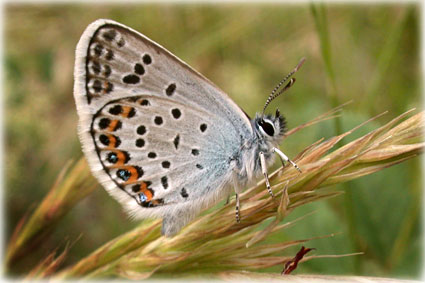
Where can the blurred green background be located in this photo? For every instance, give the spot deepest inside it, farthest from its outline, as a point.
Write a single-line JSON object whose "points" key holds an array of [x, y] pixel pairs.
{"points": [[367, 53]]}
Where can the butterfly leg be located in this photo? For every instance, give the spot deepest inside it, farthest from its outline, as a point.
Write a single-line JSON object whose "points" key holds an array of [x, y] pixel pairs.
{"points": [[264, 170], [238, 219], [283, 157]]}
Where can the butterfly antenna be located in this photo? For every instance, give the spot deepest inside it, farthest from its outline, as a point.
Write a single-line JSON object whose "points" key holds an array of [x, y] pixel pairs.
{"points": [[274, 92]]}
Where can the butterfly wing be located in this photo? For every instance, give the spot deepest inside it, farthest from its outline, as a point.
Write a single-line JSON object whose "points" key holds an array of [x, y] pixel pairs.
{"points": [[157, 134]]}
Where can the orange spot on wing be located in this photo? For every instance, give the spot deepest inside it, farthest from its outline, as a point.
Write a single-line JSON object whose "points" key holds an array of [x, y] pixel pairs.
{"points": [[112, 142], [113, 125], [143, 188], [125, 111], [148, 193], [121, 158], [134, 174], [107, 87]]}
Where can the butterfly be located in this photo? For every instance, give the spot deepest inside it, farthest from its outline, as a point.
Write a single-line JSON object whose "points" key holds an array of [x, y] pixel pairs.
{"points": [[161, 138]]}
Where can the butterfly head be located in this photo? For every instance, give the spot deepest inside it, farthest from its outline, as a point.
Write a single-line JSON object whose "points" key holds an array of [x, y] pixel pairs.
{"points": [[270, 127]]}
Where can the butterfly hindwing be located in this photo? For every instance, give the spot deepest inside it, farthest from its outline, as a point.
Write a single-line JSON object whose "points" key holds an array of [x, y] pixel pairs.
{"points": [[148, 148], [157, 134]]}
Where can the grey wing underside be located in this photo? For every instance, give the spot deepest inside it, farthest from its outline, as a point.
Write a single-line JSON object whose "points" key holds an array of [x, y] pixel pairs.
{"points": [[170, 158], [118, 67]]}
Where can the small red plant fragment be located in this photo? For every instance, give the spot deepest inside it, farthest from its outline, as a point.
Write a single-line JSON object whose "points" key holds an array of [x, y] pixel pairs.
{"points": [[292, 264]]}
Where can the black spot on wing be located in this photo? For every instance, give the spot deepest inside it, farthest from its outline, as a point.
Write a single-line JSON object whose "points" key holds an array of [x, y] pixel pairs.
{"points": [[166, 164], [152, 155], [164, 182], [170, 89], [203, 127], [140, 143], [158, 120], [109, 35], [147, 59], [141, 130], [184, 193], [176, 113], [176, 141], [138, 69], [131, 79]]}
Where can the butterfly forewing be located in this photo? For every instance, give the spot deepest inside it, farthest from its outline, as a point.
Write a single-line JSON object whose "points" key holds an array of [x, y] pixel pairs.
{"points": [[120, 61], [157, 134]]}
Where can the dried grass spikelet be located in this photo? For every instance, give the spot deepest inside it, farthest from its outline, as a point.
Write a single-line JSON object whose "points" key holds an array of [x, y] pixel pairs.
{"points": [[215, 244]]}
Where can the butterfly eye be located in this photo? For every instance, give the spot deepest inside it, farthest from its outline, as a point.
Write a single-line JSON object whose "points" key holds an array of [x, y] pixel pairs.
{"points": [[267, 127]]}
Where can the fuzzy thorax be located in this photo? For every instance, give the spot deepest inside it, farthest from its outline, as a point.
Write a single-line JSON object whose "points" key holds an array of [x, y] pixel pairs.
{"points": [[268, 133]]}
